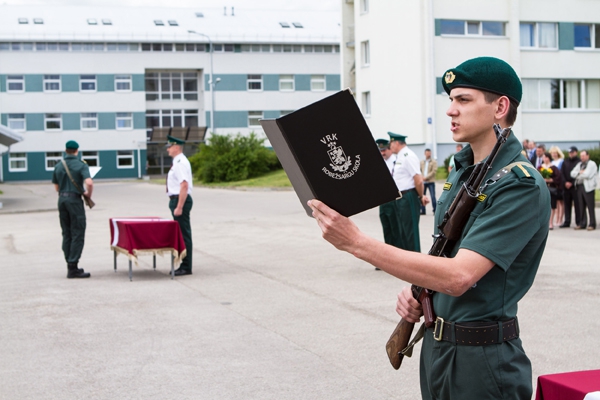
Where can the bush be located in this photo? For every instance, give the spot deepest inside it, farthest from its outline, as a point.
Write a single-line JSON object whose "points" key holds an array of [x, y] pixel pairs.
{"points": [[594, 154], [228, 158]]}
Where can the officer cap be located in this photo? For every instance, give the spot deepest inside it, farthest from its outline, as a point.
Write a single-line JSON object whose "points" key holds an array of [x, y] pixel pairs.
{"points": [[382, 143], [485, 73], [173, 140], [397, 136], [71, 144]]}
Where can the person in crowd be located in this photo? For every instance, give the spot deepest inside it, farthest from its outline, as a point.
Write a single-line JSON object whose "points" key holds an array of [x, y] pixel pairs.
{"points": [[428, 171], [538, 157], [459, 147], [552, 177], [569, 191], [557, 160], [585, 173]]}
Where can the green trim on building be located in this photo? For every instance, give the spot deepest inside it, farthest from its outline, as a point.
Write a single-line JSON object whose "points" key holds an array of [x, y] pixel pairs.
{"points": [[231, 119], [301, 82], [271, 82], [139, 120], [34, 121], [71, 122], [332, 82], [105, 83], [272, 114], [438, 27], [2, 83], [566, 36], [4, 119], [34, 83], [138, 83], [69, 83], [107, 120], [237, 48], [439, 87]]}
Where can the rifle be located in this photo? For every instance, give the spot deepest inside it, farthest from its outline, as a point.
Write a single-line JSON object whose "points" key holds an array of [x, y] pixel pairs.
{"points": [[450, 231]]}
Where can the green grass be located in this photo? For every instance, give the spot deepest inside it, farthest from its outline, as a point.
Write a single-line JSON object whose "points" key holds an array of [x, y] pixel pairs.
{"points": [[275, 179]]}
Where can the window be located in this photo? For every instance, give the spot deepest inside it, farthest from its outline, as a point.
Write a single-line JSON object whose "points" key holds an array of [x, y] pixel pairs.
{"points": [[38, 21], [51, 83], [557, 94], [124, 158], [366, 103], [106, 21], [17, 162], [171, 86], [472, 28], [124, 121], [317, 83], [17, 122], [173, 23], [91, 158], [286, 83], [52, 159], [15, 83], [23, 21], [364, 6], [254, 118], [542, 35], [158, 22], [170, 118], [297, 25], [92, 21], [89, 121], [254, 82], [87, 83], [284, 24], [122, 83], [366, 53], [587, 35], [53, 122]]}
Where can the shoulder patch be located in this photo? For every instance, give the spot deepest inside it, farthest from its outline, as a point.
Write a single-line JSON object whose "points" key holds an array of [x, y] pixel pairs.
{"points": [[447, 186], [522, 171]]}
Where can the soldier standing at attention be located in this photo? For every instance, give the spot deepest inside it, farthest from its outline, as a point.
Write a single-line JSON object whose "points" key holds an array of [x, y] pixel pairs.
{"points": [[70, 206], [473, 351], [406, 171], [179, 190]]}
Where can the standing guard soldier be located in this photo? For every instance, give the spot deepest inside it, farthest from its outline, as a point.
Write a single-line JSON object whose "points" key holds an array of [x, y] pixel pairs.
{"points": [[179, 190], [473, 351], [69, 183]]}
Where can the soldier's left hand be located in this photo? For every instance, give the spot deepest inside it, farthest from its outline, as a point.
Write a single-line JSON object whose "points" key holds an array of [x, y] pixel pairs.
{"points": [[337, 229]]}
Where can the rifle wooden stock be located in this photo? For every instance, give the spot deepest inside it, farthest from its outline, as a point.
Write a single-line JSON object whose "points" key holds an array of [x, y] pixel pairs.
{"points": [[398, 341], [88, 201]]}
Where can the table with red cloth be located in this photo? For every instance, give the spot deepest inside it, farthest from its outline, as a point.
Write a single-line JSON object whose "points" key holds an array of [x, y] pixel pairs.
{"points": [[578, 385], [132, 236]]}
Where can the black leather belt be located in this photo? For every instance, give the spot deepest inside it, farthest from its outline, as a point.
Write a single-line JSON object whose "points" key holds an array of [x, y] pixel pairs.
{"points": [[69, 194], [175, 196], [476, 333], [409, 190]]}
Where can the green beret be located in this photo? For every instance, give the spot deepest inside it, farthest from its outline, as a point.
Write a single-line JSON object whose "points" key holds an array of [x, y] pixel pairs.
{"points": [[397, 136], [383, 143], [173, 140], [71, 144], [485, 73]]}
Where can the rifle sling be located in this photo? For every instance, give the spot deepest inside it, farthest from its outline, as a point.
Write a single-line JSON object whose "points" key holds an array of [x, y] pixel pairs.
{"points": [[407, 351], [64, 163]]}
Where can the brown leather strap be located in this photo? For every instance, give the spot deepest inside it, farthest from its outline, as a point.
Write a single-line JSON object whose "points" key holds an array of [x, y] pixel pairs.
{"points": [[477, 333]]}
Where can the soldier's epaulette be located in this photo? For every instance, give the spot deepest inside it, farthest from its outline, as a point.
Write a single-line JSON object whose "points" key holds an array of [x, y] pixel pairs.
{"points": [[521, 170]]}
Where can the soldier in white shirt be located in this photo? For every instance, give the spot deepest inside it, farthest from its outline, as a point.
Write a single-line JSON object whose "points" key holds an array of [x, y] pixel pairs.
{"points": [[387, 211], [406, 171], [179, 190]]}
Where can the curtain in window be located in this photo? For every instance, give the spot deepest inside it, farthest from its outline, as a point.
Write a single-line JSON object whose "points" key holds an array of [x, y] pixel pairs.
{"points": [[527, 34], [571, 93], [549, 94], [547, 35], [530, 94], [592, 93]]}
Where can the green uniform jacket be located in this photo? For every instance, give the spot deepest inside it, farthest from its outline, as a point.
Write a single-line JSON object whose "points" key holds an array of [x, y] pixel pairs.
{"points": [[79, 170], [508, 227]]}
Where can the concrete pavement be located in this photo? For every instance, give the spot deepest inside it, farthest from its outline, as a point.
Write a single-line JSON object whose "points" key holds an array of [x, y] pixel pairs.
{"points": [[272, 311]]}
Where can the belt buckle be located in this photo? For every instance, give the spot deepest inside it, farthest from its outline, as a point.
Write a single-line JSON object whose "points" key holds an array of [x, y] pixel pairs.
{"points": [[438, 330]]}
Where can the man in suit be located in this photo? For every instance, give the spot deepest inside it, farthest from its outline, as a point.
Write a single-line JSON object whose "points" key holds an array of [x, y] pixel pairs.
{"points": [[537, 158], [569, 191], [428, 170]]}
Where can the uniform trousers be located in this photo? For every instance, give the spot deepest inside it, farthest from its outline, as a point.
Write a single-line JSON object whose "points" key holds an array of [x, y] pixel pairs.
{"points": [[586, 206], [72, 223], [186, 228], [570, 199], [496, 371], [400, 222]]}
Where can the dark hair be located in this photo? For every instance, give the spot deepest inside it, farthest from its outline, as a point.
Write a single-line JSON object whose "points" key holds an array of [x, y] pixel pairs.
{"points": [[511, 116], [427, 149], [547, 154], [70, 151]]}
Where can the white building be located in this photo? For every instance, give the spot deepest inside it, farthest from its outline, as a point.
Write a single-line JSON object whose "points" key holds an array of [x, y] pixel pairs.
{"points": [[394, 54], [113, 78]]}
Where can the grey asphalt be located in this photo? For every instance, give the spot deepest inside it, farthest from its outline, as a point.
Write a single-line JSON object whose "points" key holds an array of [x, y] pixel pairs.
{"points": [[272, 311]]}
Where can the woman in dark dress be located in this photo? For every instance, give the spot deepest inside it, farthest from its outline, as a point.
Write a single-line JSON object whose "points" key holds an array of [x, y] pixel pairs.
{"points": [[553, 180]]}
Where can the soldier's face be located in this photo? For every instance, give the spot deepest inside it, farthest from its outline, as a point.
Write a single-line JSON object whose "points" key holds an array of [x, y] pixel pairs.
{"points": [[471, 116]]}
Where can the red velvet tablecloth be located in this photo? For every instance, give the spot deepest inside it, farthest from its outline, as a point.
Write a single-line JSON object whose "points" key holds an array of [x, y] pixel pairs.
{"points": [[133, 235], [568, 386]]}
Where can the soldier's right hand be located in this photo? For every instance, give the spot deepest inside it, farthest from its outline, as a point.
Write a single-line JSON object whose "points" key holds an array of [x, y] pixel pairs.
{"points": [[408, 307]]}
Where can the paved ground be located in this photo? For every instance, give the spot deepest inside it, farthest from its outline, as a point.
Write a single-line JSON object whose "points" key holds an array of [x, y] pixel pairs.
{"points": [[271, 312]]}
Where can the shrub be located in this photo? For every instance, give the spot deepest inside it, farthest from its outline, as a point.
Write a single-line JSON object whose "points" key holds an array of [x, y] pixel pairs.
{"points": [[594, 154], [228, 158]]}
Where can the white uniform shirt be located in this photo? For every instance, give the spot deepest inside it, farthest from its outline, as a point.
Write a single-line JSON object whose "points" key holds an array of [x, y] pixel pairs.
{"points": [[407, 165], [390, 162], [180, 171]]}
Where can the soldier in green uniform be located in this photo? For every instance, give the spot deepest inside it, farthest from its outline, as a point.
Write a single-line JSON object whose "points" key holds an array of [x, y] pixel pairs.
{"points": [[70, 206], [476, 352]]}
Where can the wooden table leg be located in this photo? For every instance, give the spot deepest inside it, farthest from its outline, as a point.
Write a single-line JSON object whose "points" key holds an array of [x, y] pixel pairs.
{"points": [[154, 261], [115, 260], [172, 266]]}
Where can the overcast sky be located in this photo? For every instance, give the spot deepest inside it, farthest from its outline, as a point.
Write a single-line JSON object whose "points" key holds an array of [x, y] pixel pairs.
{"points": [[254, 4]]}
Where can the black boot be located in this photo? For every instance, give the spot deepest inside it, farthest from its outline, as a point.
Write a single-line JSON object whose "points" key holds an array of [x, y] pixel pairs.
{"points": [[75, 272]]}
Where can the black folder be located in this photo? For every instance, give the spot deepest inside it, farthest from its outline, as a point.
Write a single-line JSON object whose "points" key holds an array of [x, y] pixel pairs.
{"points": [[329, 154]]}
